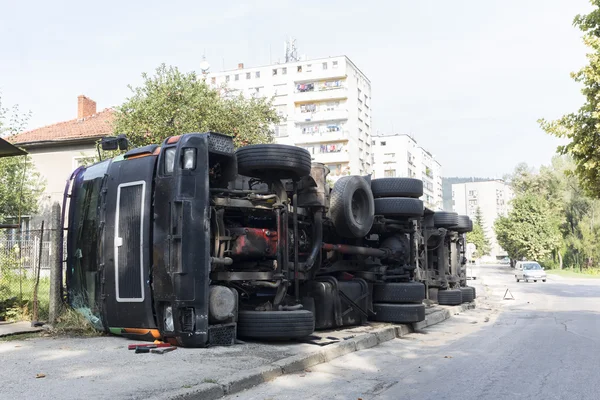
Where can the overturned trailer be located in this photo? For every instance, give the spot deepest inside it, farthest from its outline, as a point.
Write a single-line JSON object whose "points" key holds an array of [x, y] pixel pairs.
{"points": [[196, 243]]}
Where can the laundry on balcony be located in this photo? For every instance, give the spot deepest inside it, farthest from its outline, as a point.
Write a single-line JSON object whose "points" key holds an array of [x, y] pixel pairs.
{"points": [[305, 87], [328, 85], [331, 148], [333, 128], [306, 108]]}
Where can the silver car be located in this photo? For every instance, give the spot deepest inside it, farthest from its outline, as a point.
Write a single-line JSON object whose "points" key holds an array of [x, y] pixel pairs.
{"points": [[529, 271]]}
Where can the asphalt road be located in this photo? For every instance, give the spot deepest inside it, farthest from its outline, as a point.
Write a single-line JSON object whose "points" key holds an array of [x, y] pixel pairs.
{"points": [[544, 344]]}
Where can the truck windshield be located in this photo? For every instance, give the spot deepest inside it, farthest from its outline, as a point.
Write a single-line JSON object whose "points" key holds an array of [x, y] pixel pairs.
{"points": [[84, 243]]}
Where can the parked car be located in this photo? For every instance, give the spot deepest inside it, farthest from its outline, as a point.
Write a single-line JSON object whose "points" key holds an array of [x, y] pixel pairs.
{"points": [[505, 261], [529, 271]]}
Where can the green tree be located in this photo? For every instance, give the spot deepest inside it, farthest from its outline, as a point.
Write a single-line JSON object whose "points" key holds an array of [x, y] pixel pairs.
{"points": [[581, 126], [20, 184], [171, 103], [530, 230], [477, 235]]}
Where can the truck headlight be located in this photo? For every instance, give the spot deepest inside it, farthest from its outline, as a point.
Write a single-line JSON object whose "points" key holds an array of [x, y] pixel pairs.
{"points": [[170, 160], [189, 158], [169, 324]]}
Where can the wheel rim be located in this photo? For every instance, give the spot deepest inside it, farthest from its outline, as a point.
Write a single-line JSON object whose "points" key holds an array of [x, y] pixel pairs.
{"points": [[358, 206]]}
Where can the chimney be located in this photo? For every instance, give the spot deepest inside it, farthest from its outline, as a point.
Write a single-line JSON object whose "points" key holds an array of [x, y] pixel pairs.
{"points": [[85, 107], [241, 66]]}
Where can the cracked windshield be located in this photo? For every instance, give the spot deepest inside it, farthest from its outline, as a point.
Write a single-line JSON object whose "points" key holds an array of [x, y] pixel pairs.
{"points": [[284, 200]]}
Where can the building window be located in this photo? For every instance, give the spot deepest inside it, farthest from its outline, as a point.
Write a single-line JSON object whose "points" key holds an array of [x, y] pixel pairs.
{"points": [[257, 74], [248, 75], [299, 69], [389, 173], [472, 193], [284, 71], [472, 203], [308, 67], [382, 143], [213, 80], [324, 66], [281, 131], [391, 155], [237, 77], [274, 71], [227, 78], [335, 64]]}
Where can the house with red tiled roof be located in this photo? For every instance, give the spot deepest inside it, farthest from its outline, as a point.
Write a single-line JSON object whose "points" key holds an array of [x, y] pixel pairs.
{"points": [[58, 149]]}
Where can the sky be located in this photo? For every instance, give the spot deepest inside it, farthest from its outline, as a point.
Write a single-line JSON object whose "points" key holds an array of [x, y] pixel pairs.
{"points": [[467, 78]]}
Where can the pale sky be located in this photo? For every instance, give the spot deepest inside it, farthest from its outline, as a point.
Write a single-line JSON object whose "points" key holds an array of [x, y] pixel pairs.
{"points": [[467, 78]]}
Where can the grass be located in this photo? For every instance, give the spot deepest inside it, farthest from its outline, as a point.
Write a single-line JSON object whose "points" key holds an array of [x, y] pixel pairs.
{"points": [[72, 323], [21, 288], [572, 273]]}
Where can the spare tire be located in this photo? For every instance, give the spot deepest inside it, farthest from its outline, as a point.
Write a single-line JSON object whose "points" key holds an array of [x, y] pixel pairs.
{"points": [[399, 313], [464, 224], [351, 206], [399, 292], [273, 161], [451, 297], [275, 324], [399, 207], [397, 187], [445, 219]]}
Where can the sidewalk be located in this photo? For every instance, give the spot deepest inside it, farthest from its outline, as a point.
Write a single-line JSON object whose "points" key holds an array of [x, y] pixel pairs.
{"points": [[75, 368], [14, 328]]}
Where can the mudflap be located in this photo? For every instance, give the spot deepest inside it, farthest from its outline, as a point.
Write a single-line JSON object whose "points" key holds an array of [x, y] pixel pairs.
{"points": [[337, 303]]}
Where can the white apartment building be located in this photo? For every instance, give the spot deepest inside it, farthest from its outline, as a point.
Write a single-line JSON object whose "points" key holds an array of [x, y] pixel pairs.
{"points": [[492, 198], [399, 155], [325, 106]]}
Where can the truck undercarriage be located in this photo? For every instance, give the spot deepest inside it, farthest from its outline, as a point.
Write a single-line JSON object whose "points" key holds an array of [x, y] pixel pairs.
{"points": [[197, 243]]}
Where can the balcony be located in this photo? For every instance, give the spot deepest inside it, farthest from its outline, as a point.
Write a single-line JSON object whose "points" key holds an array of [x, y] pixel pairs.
{"points": [[324, 137], [332, 115], [321, 95], [327, 158]]}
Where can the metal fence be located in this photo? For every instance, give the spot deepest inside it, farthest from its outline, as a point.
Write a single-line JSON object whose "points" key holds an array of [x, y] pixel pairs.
{"points": [[25, 258]]}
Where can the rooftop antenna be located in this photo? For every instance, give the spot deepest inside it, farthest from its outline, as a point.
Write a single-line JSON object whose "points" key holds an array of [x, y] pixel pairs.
{"points": [[204, 67], [291, 52]]}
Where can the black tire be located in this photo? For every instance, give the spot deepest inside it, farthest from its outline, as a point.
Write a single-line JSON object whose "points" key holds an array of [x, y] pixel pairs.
{"points": [[474, 292], [273, 161], [399, 313], [464, 224], [352, 208], [467, 294], [405, 292], [279, 325], [399, 207], [451, 297], [445, 219], [518, 280], [397, 187]]}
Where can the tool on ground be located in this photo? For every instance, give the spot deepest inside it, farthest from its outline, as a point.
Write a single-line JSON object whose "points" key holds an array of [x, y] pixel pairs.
{"points": [[147, 346], [163, 350]]}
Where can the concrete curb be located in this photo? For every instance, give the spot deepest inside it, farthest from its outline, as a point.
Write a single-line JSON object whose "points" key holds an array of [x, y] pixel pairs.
{"points": [[247, 379]]}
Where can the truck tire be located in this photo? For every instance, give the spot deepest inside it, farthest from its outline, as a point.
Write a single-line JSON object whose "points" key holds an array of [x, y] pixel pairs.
{"points": [[399, 207], [397, 187], [396, 292], [352, 208], [273, 161], [467, 294], [399, 313], [464, 224], [451, 297], [280, 325], [445, 219]]}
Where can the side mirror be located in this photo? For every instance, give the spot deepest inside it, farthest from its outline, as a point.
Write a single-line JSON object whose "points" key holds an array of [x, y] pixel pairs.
{"points": [[110, 143]]}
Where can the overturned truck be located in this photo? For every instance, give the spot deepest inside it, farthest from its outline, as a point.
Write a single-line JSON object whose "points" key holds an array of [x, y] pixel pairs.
{"points": [[196, 243]]}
